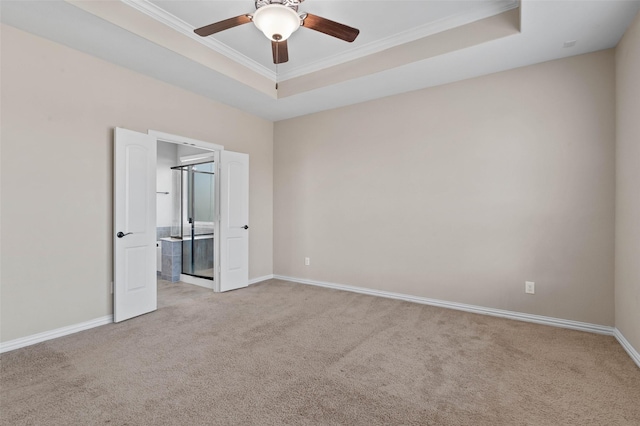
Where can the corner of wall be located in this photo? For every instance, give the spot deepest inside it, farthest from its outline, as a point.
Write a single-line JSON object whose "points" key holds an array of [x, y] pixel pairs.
{"points": [[627, 241]]}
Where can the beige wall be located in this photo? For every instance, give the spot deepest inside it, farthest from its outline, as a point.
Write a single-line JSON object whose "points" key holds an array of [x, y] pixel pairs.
{"points": [[59, 108], [461, 192], [627, 286]]}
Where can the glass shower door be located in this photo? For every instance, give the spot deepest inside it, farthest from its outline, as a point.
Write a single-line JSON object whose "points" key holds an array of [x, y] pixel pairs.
{"points": [[197, 218]]}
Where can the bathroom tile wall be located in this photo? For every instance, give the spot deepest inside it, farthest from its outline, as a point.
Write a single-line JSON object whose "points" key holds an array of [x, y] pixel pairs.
{"points": [[163, 232], [171, 259]]}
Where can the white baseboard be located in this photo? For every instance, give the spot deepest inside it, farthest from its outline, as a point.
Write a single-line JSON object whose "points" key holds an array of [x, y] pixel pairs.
{"points": [[634, 354], [519, 316], [48, 335], [538, 319], [59, 332], [260, 279]]}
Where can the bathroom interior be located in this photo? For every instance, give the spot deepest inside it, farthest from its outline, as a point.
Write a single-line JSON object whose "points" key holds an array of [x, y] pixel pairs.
{"points": [[185, 220]]}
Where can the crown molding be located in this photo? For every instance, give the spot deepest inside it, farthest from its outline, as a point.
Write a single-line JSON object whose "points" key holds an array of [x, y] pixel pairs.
{"points": [[164, 17], [481, 11]]}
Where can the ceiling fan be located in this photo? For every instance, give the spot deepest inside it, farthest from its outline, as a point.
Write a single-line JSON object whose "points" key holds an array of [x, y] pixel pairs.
{"points": [[278, 19]]}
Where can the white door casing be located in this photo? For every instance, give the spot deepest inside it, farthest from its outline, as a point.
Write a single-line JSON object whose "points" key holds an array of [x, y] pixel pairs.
{"points": [[234, 220], [134, 204]]}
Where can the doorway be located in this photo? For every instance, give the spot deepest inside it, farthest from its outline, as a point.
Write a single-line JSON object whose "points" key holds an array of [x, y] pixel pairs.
{"points": [[231, 209], [187, 217], [138, 200]]}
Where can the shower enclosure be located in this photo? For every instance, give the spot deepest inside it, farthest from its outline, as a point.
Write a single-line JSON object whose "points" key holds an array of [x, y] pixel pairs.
{"points": [[195, 214]]}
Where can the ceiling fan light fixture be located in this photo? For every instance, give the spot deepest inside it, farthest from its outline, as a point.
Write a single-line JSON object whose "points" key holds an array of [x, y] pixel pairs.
{"points": [[276, 21]]}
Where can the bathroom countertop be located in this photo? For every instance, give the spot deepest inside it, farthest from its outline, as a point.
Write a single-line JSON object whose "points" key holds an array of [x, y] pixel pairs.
{"points": [[171, 239], [197, 237]]}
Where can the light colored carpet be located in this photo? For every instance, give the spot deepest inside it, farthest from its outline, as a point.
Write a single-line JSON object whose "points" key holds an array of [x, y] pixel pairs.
{"points": [[283, 353], [174, 293]]}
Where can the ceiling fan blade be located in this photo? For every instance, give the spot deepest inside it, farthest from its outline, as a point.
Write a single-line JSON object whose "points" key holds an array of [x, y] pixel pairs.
{"points": [[332, 28], [280, 51], [216, 27]]}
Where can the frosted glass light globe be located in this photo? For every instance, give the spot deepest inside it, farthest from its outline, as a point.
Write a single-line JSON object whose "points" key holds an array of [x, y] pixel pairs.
{"points": [[276, 21]]}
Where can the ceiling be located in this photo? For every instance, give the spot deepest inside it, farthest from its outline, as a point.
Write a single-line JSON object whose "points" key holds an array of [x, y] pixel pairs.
{"points": [[402, 46], [311, 50]]}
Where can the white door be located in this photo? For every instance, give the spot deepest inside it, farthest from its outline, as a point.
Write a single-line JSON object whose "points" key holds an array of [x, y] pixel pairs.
{"points": [[234, 220], [134, 225]]}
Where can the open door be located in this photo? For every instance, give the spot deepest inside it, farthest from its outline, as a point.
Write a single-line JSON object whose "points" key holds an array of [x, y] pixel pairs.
{"points": [[134, 225], [234, 220]]}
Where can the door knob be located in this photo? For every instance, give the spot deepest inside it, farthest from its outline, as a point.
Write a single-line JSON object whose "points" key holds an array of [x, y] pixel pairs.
{"points": [[121, 234], [246, 227]]}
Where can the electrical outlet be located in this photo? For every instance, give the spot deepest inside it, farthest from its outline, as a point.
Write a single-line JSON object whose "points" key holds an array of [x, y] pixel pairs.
{"points": [[307, 261], [529, 287]]}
